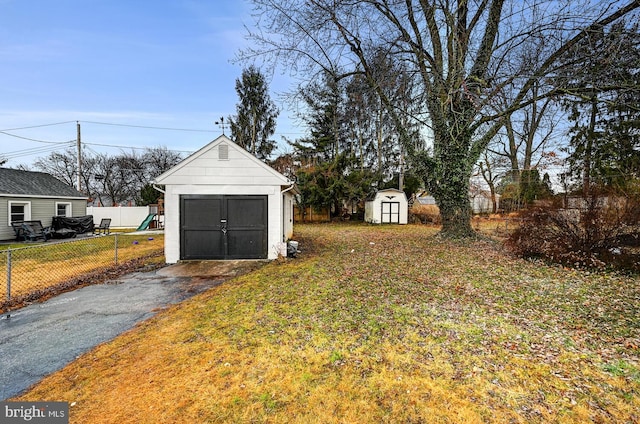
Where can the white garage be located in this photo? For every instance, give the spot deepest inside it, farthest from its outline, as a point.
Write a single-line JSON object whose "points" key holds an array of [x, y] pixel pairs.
{"points": [[389, 206], [223, 203]]}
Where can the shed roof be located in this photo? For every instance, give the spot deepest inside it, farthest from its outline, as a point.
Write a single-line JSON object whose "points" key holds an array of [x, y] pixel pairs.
{"points": [[384, 191], [15, 182]]}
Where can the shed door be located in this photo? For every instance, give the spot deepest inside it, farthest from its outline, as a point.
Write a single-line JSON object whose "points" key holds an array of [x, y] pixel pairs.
{"points": [[390, 212], [223, 227]]}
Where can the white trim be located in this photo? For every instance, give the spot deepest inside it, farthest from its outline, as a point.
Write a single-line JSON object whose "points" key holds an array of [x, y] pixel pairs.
{"points": [[31, 196], [68, 209], [27, 210]]}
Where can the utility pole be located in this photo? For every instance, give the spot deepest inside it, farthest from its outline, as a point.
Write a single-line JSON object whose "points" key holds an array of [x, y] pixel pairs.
{"points": [[78, 177], [401, 175]]}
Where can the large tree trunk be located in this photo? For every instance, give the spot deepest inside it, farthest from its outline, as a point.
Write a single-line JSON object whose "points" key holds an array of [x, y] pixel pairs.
{"points": [[448, 176], [455, 210]]}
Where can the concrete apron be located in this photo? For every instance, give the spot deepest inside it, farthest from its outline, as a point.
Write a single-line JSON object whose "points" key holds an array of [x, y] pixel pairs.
{"points": [[210, 269], [44, 337]]}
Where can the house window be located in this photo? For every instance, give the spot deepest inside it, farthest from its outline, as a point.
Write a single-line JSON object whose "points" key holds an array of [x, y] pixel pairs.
{"points": [[63, 209], [19, 211]]}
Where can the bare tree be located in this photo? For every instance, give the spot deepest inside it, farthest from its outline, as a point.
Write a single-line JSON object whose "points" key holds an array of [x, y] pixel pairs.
{"points": [[529, 134], [63, 166], [158, 160], [493, 168], [455, 50], [110, 180]]}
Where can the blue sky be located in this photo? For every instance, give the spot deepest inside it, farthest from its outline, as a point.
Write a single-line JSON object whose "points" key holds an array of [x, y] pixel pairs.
{"points": [[119, 65]]}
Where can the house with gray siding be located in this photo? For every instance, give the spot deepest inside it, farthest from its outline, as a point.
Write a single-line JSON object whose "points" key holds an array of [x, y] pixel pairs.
{"points": [[35, 196]]}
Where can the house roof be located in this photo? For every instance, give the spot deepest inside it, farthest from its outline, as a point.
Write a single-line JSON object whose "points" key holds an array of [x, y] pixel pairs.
{"points": [[426, 200], [207, 162], [15, 182]]}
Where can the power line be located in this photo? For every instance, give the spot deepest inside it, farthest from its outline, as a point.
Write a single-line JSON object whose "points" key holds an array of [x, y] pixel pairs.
{"points": [[107, 123], [118, 125], [36, 150], [147, 127], [33, 139], [37, 126], [84, 143], [169, 128]]}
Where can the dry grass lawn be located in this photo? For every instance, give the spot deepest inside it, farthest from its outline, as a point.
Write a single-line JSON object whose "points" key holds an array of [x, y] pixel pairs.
{"points": [[375, 324], [47, 264]]}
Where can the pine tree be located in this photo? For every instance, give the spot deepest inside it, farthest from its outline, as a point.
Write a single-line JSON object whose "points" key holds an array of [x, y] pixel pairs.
{"points": [[255, 119], [602, 82]]}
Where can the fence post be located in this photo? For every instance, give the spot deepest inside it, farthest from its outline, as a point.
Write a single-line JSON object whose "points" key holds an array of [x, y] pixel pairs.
{"points": [[115, 238], [9, 274]]}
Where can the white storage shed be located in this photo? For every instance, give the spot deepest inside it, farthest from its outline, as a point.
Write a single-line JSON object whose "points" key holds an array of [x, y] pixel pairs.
{"points": [[389, 206]]}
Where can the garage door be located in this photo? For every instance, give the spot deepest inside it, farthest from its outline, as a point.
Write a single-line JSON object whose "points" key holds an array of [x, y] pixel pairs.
{"points": [[223, 227]]}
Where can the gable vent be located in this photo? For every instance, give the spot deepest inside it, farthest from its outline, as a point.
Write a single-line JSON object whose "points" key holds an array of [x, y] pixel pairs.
{"points": [[223, 152]]}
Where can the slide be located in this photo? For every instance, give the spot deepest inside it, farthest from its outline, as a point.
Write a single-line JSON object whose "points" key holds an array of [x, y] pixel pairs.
{"points": [[146, 222]]}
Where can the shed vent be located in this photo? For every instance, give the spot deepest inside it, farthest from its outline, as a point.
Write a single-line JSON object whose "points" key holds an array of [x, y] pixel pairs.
{"points": [[223, 152]]}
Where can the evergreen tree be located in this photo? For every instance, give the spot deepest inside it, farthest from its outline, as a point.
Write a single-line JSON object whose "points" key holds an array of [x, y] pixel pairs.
{"points": [[333, 185], [324, 116], [256, 113], [331, 173], [602, 83]]}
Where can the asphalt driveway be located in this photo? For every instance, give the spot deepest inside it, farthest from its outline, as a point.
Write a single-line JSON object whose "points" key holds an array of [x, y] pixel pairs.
{"points": [[44, 337]]}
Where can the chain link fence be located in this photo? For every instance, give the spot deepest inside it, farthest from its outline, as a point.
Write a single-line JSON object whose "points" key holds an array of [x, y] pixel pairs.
{"points": [[28, 271]]}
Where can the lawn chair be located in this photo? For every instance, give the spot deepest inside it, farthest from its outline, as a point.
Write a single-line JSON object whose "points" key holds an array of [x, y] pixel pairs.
{"points": [[103, 227], [33, 231], [17, 228]]}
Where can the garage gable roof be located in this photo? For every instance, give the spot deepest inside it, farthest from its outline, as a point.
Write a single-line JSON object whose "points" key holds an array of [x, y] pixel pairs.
{"points": [[222, 162]]}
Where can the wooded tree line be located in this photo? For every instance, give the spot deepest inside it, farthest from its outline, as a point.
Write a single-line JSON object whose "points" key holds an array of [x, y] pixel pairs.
{"points": [[352, 147], [457, 86]]}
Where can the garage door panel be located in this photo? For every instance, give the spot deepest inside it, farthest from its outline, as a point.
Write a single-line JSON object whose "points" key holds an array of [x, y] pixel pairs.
{"points": [[202, 213], [246, 244], [203, 244], [246, 212]]}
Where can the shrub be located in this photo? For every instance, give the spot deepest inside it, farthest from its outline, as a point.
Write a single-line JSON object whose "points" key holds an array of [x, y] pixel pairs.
{"points": [[425, 214], [603, 232]]}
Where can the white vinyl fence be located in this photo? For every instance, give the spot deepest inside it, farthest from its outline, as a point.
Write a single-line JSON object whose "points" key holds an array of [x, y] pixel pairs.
{"points": [[121, 216]]}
